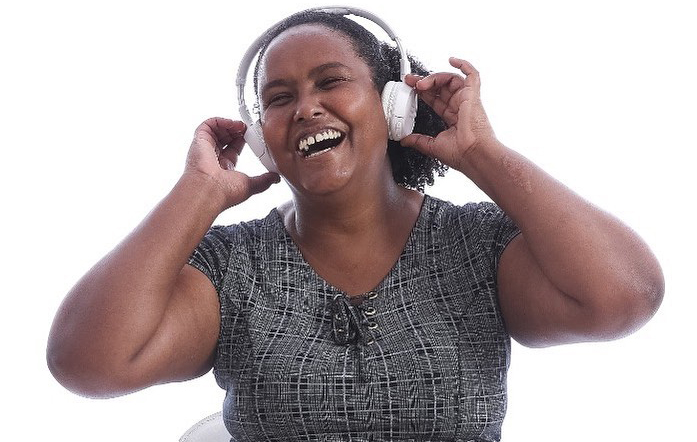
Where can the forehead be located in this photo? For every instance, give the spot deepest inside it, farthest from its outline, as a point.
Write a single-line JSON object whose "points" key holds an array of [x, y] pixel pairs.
{"points": [[307, 43]]}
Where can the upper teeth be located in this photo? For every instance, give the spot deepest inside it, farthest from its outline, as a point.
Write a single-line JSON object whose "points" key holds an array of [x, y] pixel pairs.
{"points": [[328, 134]]}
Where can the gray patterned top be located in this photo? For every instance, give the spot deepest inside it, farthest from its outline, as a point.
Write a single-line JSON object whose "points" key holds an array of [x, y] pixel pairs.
{"points": [[422, 357]]}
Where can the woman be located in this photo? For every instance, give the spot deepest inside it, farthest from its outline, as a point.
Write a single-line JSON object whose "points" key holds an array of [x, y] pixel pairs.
{"points": [[362, 309]]}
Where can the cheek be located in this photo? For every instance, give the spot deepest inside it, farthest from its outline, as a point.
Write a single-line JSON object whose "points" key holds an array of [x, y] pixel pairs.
{"points": [[369, 112], [364, 107], [273, 126]]}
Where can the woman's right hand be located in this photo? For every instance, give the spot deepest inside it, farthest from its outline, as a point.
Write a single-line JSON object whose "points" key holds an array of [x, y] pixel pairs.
{"points": [[213, 155]]}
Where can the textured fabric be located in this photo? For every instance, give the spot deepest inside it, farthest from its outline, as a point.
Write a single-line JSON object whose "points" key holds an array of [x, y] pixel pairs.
{"points": [[422, 357]]}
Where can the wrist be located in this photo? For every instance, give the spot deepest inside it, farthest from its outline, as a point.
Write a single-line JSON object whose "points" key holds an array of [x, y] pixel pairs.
{"points": [[205, 190], [476, 153]]}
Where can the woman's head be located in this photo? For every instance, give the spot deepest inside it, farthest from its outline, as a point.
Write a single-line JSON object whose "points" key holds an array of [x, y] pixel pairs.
{"points": [[409, 167]]}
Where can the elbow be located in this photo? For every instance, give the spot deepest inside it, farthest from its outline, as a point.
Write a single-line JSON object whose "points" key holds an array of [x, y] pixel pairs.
{"points": [[79, 376], [627, 309], [652, 296], [65, 372], [639, 294], [643, 298], [81, 362], [629, 292], [607, 314]]}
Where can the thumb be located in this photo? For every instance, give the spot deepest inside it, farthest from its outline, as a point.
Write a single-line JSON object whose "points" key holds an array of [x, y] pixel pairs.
{"points": [[423, 143], [258, 184]]}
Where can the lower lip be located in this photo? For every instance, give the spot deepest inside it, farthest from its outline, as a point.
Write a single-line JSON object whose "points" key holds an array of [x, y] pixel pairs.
{"points": [[316, 154], [321, 152]]}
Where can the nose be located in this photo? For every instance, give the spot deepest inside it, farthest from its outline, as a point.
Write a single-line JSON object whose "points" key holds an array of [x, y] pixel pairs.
{"points": [[307, 108]]}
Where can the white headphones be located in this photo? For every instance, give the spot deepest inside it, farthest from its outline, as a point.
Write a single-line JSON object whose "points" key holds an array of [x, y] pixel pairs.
{"points": [[398, 99]]}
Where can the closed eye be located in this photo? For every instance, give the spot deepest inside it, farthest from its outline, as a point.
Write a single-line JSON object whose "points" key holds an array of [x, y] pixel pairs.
{"points": [[278, 100], [330, 82]]}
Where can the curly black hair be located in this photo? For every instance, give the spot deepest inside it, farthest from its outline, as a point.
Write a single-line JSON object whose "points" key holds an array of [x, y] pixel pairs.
{"points": [[410, 168]]}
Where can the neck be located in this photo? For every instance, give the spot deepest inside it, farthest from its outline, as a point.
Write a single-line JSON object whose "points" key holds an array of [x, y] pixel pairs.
{"points": [[352, 241], [368, 209]]}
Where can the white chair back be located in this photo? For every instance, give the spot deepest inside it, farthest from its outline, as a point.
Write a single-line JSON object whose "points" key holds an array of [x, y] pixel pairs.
{"points": [[208, 429]]}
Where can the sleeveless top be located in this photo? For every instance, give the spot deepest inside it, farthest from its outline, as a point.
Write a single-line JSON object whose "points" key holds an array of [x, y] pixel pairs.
{"points": [[423, 357]]}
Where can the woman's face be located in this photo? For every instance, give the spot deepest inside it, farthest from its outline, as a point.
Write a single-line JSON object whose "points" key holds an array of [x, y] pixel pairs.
{"points": [[321, 114]]}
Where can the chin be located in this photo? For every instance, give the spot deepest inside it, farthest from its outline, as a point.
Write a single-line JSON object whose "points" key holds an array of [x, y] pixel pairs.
{"points": [[322, 175], [322, 184], [339, 169]]}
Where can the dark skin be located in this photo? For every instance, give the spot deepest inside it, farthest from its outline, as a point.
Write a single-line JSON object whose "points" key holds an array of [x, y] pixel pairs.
{"points": [[142, 316], [348, 216]]}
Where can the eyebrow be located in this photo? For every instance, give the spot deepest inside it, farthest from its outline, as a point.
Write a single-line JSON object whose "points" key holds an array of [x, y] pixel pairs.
{"points": [[323, 67], [314, 71]]}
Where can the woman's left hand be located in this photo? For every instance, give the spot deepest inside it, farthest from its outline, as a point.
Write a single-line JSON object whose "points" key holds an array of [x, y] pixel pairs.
{"points": [[456, 99]]}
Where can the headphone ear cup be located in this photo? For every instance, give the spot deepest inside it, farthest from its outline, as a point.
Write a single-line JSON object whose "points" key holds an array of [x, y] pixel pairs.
{"points": [[399, 103], [255, 139]]}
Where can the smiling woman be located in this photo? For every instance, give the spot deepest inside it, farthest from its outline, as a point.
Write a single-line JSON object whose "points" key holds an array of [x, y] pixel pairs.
{"points": [[362, 309], [388, 66], [323, 87]]}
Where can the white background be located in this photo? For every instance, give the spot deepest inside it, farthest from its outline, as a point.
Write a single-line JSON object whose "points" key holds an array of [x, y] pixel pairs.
{"points": [[99, 101]]}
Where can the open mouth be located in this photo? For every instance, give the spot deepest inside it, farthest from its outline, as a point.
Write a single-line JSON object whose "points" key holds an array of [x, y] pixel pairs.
{"points": [[320, 142]]}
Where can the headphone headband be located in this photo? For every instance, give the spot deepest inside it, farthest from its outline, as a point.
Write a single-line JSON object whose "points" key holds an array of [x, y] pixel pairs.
{"points": [[404, 65]]}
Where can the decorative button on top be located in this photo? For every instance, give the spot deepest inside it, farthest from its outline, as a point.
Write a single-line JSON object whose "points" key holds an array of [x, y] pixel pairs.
{"points": [[351, 322], [347, 321]]}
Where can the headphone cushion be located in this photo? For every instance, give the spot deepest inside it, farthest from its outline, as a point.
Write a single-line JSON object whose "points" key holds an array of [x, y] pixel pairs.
{"points": [[255, 139], [399, 104]]}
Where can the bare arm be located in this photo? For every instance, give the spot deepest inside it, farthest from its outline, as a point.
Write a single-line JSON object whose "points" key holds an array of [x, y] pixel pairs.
{"points": [[141, 316], [575, 273]]}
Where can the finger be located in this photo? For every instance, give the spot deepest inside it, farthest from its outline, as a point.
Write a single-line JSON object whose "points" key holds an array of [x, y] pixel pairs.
{"points": [[204, 135], [445, 106], [466, 68], [229, 155], [423, 143], [226, 163], [440, 81], [439, 91], [258, 184], [411, 79], [219, 132], [441, 107]]}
